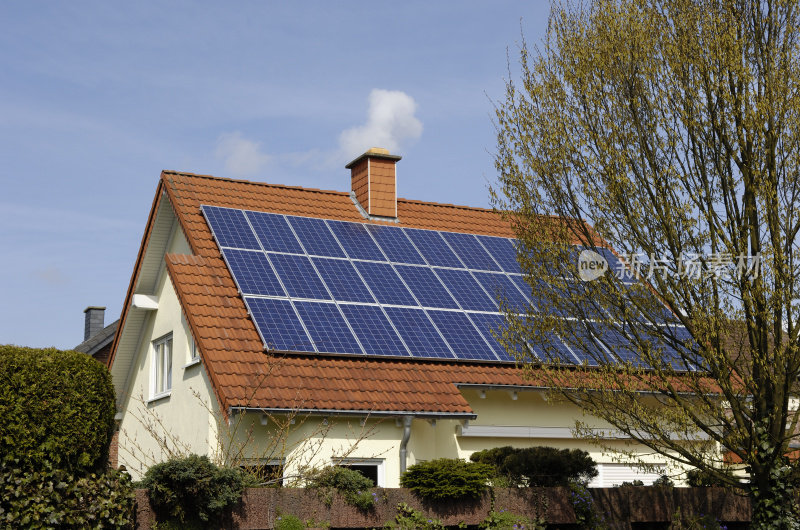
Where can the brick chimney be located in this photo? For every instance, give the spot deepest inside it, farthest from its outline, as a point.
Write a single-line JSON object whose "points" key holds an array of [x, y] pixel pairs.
{"points": [[94, 321], [374, 182]]}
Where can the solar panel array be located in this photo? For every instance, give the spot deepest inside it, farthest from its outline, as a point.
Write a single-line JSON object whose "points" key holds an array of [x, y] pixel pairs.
{"points": [[324, 286]]}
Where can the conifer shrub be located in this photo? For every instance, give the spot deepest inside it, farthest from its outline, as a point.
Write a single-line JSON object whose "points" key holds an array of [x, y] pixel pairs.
{"points": [[352, 485], [50, 497], [57, 409], [447, 478], [193, 491], [537, 466]]}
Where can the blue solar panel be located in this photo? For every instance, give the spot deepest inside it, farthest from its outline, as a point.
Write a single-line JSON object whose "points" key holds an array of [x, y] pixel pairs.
{"points": [[502, 288], [466, 341], [466, 290], [315, 237], [395, 244], [299, 277], [471, 252], [540, 301], [551, 349], [278, 324], [426, 286], [433, 248], [327, 327], [342, 280], [385, 283], [503, 252], [253, 273], [488, 323], [418, 333], [230, 227], [362, 276], [274, 233], [356, 240], [584, 345], [373, 330], [585, 304]]}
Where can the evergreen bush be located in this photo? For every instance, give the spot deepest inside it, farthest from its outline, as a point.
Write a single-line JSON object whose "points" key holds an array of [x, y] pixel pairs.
{"points": [[57, 407], [352, 485], [193, 491], [698, 478], [538, 466], [447, 478], [50, 497]]}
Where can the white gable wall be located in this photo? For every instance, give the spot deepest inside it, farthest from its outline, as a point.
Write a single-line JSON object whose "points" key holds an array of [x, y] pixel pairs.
{"points": [[181, 420]]}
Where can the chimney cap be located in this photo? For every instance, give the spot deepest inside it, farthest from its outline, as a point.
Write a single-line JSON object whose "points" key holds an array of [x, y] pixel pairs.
{"points": [[374, 152], [94, 307]]}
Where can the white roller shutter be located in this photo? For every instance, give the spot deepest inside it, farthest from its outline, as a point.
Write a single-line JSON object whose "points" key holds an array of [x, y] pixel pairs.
{"points": [[610, 475]]}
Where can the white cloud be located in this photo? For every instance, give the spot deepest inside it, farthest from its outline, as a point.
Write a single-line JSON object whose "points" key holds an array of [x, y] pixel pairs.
{"points": [[242, 157], [390, 124]]}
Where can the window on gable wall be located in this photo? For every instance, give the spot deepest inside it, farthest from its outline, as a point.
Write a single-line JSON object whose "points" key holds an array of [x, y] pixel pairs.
{"points": [[194, 355], [162, 366]]}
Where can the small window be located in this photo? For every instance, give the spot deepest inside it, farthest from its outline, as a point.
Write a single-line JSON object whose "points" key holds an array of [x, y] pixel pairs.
{"points": [[194, 356], [162, 366], [268, 473], [370, 468]]}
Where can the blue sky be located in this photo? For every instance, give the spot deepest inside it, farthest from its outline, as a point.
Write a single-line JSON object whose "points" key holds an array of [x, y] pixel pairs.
{"points": [[96, 98]]}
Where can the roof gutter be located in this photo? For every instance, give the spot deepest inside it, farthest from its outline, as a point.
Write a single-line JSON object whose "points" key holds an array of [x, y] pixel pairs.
{"points": [[372, 413]]}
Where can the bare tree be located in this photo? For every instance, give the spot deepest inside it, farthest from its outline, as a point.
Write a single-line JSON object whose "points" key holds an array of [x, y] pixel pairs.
{"points": [[667, 130]]}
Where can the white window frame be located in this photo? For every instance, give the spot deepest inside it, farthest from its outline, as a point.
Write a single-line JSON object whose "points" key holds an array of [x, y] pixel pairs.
{"points": [[162, 348], [194, 355], [377, 462]]}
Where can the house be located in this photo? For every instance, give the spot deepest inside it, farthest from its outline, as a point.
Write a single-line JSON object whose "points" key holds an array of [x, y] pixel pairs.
{"points": [[256, 332]]}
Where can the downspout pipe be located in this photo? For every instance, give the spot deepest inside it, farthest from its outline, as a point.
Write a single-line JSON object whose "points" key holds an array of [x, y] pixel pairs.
{"points": [[404, 442]]}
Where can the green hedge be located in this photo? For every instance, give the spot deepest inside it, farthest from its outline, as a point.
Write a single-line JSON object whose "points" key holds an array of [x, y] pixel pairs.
{"points": [[56, 407], [48, 497], [447, 478], [192, 491], [538, 466]]}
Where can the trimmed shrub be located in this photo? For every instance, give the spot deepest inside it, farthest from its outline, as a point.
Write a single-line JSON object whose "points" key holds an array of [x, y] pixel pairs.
{"points": [[49, 497], [193, 491], [57, 407], [410, 519], [538, 466], [352, 485], [289, 522], [447, 478], [700, 478]]}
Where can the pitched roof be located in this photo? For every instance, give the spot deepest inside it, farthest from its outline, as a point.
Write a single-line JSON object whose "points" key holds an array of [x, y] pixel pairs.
{"points": [[99, 340], [243, 375]]}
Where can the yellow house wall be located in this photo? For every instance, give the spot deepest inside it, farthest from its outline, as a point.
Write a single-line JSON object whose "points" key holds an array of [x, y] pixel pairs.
{"points": [[531, 409]]}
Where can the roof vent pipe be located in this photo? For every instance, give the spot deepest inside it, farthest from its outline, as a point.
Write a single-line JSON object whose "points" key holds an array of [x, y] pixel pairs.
{"points": [[404, 442]]}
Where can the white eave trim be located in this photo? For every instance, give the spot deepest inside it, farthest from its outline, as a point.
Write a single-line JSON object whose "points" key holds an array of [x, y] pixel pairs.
{"points": [[145, 301], [558, 433]]}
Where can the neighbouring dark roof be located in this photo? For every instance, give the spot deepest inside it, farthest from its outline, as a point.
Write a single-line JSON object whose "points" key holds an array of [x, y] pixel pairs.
{"points": [[99, 340]]}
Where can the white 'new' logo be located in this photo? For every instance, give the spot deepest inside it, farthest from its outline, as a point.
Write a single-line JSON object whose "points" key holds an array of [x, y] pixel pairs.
{"points": [[591, 265]]}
